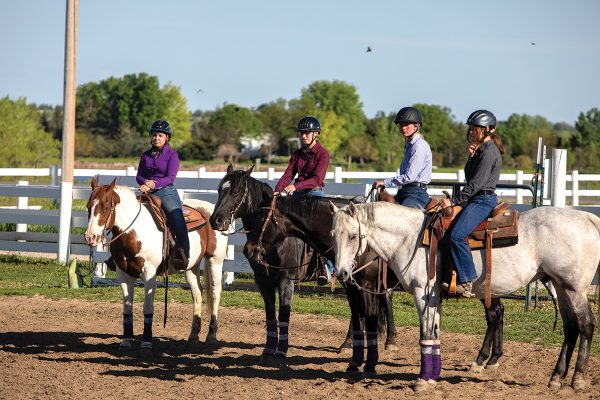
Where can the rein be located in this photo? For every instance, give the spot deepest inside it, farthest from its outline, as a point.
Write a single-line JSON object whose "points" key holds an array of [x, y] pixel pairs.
{"points": [[106, 229]]}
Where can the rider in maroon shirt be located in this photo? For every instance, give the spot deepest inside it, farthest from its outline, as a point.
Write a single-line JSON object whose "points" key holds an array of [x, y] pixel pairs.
{"points": [[309, 163]]}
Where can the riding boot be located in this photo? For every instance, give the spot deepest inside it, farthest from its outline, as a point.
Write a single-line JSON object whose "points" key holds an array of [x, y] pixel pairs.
{"points": [[181, 252]]}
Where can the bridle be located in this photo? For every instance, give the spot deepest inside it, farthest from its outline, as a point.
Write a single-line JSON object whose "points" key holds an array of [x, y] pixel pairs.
{"points": [[232, 217], [112, 215]]}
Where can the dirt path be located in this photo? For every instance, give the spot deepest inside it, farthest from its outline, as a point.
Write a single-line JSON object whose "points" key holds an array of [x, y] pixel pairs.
{"points": [[68, 349]]}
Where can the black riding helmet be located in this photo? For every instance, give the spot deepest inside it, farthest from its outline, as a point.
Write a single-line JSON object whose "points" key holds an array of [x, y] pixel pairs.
{"points": [[483, 118], [308, 124], [410, 115], [160, 126]]}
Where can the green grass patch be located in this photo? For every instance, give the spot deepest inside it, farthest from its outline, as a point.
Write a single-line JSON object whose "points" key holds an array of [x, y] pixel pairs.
{"points": [[23, 276]]}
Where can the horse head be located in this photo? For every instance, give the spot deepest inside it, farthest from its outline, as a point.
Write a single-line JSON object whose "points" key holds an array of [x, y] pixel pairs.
{"points": [[238, 194], [349, 234], [101, 211]]}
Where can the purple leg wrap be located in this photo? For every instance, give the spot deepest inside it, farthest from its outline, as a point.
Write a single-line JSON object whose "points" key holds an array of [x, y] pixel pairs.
{"points": [[426, 362], [271, 345], [436, 356], [128, 326], [372, 351], [358, 348], [147, 336]]}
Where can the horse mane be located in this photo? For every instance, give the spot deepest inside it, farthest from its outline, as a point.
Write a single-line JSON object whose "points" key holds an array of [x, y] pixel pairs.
{"points": [[308, 206], [256, 189]]}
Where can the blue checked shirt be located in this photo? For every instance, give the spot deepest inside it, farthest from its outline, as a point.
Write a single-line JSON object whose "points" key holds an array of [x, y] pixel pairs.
{"points": [[416, 166]]}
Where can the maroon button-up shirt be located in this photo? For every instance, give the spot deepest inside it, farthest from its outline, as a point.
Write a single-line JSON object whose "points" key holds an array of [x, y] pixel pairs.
{"points": [[310, 166]]}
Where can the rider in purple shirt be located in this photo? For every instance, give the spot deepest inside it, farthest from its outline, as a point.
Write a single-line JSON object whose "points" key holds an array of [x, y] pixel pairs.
{"points": [[157, 170]]}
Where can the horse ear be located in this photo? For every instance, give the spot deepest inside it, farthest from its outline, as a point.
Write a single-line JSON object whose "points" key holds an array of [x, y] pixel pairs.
{"points": [[352, 209], [249, 170], [229, 168], [94, 183], [333, 207], [112, 184]]}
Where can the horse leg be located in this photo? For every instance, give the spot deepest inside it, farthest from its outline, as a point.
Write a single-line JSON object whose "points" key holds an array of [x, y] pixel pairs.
{"points": [[286, 293], [267, 291], [126, 283], [372, 350], [346, 345], [571, 332], [358, 335], [493, 339], [578, 321], [192, 277], [428, 307], [386, 311], [149, 294], [213, 269]]}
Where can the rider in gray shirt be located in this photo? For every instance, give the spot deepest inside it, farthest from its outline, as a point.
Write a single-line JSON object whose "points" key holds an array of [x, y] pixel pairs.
{"points": [[478, 197]]}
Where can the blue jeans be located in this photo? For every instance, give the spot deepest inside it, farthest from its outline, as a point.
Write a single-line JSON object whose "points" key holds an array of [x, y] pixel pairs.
{"points": [[299, 194], [477, 209], [414, 197], [171, 203]]}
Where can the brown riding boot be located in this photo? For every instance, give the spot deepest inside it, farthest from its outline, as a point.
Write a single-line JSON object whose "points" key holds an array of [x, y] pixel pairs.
{"points": [[179, 260]]}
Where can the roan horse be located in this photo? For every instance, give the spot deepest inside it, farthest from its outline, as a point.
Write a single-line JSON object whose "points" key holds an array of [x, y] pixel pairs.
{"points": [[554, 243], [136, 249], [241, 196]]}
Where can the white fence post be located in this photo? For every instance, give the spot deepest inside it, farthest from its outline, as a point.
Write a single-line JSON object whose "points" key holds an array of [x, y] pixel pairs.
{"points": [[271, 174], [575, 188], [131, 171], [460, 175], [22, 204], [337, 175], [201, 172], [559, 177], [54, 175], [519, 191]]}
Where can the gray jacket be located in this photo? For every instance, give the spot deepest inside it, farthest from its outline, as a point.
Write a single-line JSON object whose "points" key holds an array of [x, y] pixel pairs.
{"points": [[482, 171]]}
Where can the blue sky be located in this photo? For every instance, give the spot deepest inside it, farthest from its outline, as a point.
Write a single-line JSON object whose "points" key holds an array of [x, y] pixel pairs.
{"points": [[463, 55]]}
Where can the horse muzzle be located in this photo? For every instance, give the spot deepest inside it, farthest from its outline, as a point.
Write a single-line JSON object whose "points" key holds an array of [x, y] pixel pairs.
{"points": [[218, 223], [344, 274], [92, 239]]}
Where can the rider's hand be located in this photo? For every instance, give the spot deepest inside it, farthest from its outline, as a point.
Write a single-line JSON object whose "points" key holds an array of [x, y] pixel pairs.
{"points": [[151, 184], [144, 188], [377, 184], [446, 203], [289, 189], [473, 148]]}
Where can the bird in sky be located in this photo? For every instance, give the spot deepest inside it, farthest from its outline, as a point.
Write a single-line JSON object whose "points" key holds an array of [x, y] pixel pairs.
{"points": [[199, 91], [533, 43], [369, 49]]}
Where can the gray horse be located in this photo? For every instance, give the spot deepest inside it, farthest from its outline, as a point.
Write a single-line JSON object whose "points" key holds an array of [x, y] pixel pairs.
{"points": [[554, 243]]}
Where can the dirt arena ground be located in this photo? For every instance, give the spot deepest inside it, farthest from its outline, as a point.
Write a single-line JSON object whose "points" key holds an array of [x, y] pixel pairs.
{"points": [[68, 349]]}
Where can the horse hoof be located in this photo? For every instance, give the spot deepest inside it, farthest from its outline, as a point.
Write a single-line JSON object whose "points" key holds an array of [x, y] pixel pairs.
{"points": [[578, 384], [266, 360], [211, 339], [369, 374], [391, 347], [476, 368], [492, 367], [125, 345], [554, 383], [420, 386], [146, 347]]}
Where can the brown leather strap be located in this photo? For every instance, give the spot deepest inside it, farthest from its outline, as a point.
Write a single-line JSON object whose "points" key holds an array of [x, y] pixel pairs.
{"points": [[488, 268], [432, 253], [385, 270]]}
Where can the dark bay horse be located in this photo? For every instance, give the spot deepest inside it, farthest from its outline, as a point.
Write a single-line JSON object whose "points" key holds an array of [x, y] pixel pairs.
{"points": [[241, 196]]}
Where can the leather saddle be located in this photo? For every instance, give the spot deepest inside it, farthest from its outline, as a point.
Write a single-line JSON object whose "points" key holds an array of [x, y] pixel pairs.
{"points": [[194, 219]]}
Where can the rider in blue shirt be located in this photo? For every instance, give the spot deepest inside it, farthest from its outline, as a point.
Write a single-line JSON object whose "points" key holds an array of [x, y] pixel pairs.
{"points": [[415, 170]]}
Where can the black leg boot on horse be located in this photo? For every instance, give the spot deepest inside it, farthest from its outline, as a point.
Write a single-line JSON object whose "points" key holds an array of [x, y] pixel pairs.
{"points": [[181, 252]]}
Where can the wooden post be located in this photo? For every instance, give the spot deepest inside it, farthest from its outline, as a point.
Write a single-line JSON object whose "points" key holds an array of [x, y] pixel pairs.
{"points": [[68, 139]]}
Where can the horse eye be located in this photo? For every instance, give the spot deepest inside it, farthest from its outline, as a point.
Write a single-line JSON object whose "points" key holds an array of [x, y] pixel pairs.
{"points": [[353, 236]]}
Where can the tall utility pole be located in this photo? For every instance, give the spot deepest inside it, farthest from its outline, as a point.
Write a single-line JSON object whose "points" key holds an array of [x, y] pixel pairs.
{"points": [[68, 138]]}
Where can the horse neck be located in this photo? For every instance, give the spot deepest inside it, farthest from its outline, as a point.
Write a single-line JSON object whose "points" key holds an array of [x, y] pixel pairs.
{"points": [[315, 229], [393, 231], [127, 209], [259, 196]]}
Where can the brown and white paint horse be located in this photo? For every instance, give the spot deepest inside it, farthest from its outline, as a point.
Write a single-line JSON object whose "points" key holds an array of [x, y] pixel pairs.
{"points": [[136, 250]]}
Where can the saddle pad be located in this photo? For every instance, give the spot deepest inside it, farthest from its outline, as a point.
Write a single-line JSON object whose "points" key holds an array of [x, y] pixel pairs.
{"points": [[194, 219]]}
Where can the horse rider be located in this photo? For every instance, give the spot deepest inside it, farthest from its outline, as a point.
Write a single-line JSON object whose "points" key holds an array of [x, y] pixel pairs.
{"points": [[415, 170], [309, 165], [157, 170], [478, 197]]}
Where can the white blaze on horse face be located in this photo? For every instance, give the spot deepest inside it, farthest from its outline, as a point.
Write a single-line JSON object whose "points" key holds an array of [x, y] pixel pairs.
{"points": [[93, 234]]}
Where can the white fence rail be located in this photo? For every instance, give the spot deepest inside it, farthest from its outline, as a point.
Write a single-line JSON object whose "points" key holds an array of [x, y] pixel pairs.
{"points": [[201, 184]]}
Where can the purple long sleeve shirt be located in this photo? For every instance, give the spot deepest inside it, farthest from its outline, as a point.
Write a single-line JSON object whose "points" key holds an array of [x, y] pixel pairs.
{"points": [[311, 167], [160, 166]]}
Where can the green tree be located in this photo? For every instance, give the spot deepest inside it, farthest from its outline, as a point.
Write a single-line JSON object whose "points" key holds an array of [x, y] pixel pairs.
{"points": [[24, 142], [588, 140], [231, 122], [387, 140], [277, 121], [322, 98], [441, 132], [120, 111]]}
